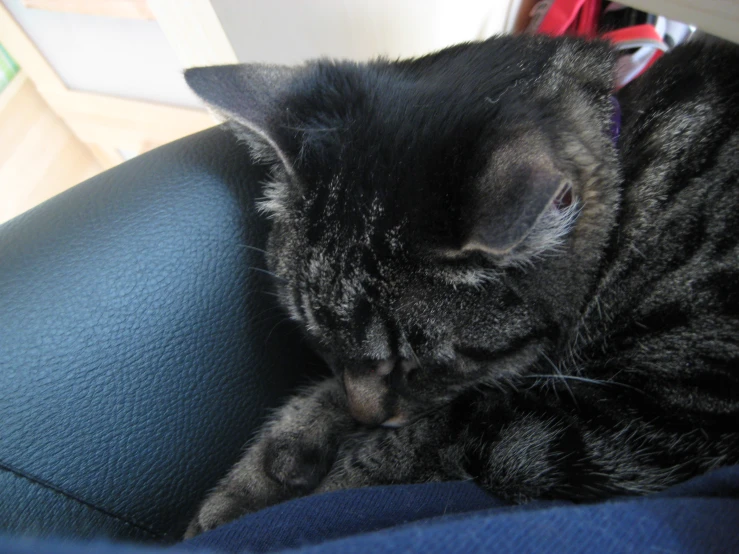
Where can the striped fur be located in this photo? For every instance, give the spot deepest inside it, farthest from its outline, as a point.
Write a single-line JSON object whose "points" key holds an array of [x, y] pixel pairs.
{"points": [[563, 354]]}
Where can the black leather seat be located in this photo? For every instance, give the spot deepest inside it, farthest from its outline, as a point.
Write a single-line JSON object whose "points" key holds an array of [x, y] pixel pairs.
{"points": [[138, 351]]}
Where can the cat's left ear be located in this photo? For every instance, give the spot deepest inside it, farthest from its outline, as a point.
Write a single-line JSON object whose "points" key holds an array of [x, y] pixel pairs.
{"points": [[520, 210], [249, 96]]}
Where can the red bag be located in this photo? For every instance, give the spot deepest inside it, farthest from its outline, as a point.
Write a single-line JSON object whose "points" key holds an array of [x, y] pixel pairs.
{"points": [[581, 17]]}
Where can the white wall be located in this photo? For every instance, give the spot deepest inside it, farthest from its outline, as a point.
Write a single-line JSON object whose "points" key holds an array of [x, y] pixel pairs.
{"points": [[132, 58], [289, 31]]}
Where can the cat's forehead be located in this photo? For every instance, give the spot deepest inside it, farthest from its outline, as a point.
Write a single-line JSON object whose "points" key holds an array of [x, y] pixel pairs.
{"points": [[376, 158], [344, 213], [374, 122]]}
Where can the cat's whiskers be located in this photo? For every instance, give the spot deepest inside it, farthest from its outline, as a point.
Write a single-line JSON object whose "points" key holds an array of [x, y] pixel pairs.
{"points": [[635, 249], [421, 416], [266, 272], [410, 347], [268, 309], [583, 380], [497, 383], [252, 248], [598, 307], [275, 327], [311, 129], [558, 372]]}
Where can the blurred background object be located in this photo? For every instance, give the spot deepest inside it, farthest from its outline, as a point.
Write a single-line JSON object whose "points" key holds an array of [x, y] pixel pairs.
{"points": [[640, 38], [8, 68], [87, 84]]}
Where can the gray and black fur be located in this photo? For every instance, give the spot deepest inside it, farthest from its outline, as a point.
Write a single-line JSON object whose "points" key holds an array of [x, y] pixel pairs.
{"points": [[503, 294]]}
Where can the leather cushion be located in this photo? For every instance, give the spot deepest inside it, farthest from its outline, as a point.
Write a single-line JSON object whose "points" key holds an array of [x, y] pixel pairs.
{"points": [[138, 349]]}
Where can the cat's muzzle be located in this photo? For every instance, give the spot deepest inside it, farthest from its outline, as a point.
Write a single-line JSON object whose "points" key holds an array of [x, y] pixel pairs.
{"points": [[369, 398]]}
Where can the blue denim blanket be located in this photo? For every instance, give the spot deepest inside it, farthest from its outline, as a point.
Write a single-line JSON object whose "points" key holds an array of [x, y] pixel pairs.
{"points": [[701, 515]]}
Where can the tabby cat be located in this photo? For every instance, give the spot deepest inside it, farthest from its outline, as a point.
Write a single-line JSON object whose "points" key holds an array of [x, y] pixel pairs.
{"points": [[505, 287]]}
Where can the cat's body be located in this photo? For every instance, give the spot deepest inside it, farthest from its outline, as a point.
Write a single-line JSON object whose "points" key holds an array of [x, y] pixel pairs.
{"points": [[524, 302]]}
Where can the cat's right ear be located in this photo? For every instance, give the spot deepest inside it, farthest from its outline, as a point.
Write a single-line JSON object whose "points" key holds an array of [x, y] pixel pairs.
{"points": [[248, 95]]}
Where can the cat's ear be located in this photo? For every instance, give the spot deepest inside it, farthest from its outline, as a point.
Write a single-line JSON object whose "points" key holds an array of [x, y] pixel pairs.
{"points": [[521, 211], [248, 95], [590, 63]]}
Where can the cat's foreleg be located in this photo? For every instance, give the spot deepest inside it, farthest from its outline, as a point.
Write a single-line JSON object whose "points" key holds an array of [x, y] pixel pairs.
{"points": [[420, 452], [526, 452], [290, 456], [524, 448]]}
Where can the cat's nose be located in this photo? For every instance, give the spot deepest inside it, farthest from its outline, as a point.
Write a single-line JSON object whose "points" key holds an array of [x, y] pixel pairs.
{"points": [[369, 398]]}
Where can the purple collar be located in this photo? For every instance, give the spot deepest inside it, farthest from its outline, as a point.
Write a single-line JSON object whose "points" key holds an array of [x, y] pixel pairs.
{"points": [[615, 120]]}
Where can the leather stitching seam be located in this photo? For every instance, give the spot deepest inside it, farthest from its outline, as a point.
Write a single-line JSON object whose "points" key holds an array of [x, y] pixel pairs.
{"points": [[44, 484]]}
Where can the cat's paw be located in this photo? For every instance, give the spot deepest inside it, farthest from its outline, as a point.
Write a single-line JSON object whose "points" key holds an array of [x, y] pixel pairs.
{"points": [[293, 454], [218, 509], [274, 469], [299, 445], [246, 489], [297, 463]]}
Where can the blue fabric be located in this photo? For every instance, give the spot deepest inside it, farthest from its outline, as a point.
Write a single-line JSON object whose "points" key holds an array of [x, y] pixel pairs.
{"points": [[315, 519], [701, 515]]}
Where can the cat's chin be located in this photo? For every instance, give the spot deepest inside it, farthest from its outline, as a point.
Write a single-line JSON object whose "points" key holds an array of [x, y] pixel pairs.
{"points": [[394, 422]]}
